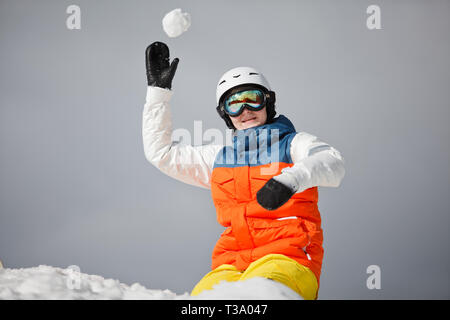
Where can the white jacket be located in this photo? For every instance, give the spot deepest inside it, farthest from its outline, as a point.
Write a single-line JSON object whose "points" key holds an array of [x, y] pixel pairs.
{"points": [[315, 162]]}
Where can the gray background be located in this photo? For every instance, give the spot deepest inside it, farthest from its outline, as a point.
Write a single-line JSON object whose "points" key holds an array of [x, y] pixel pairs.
{"points": [[75, 187]]}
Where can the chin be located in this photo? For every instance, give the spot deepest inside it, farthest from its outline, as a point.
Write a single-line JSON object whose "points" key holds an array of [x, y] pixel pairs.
{"points": [[250, 125]]}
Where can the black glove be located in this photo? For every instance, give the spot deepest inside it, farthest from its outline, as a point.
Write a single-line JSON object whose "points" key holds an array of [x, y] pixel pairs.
{"points": [[273, 195], [159, 72]]}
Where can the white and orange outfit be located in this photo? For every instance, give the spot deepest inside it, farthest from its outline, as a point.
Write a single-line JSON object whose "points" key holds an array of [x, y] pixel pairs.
{"points": [[283, 244]]}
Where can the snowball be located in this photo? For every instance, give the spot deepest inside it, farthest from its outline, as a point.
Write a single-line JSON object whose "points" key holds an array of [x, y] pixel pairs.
{"points": [[176, 22]]}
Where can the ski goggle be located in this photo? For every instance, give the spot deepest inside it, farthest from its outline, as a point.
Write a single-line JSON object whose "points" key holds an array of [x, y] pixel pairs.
{"points": [[253, 99]]}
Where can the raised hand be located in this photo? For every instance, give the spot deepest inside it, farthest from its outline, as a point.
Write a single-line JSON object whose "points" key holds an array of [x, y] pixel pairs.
{"points": [[159, 72]]}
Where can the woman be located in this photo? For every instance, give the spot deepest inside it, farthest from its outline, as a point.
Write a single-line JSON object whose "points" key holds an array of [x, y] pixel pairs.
{"points": [[263, 185]]}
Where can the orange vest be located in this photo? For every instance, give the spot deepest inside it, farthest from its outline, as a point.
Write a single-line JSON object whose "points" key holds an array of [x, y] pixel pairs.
{"points": [[252, 232]]}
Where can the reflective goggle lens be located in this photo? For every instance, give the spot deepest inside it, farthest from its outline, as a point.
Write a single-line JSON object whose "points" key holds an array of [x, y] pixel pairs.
{"points": [[252, 98]]}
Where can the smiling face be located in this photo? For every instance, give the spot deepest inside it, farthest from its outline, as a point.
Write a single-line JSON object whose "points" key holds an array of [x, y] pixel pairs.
{"points": [[248, 119]]}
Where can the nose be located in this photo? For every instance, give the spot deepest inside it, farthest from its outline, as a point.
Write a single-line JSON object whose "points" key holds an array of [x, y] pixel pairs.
{"points": [[246, 111]]}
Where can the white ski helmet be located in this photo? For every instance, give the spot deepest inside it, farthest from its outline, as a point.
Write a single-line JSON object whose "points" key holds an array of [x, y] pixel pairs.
{"points": [[239, 76]]}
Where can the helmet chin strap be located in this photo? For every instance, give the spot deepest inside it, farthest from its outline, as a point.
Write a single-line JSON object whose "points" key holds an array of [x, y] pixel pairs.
{"points": [[228, 121]]}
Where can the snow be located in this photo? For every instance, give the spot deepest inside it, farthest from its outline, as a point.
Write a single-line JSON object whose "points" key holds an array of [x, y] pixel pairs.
{"points": [[46, 282], [251, 289], [176, 22]]}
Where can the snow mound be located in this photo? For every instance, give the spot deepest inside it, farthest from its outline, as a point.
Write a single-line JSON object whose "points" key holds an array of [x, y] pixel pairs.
{"points": [[45, 282], [49, 283], [175, 23], [251, 289]]}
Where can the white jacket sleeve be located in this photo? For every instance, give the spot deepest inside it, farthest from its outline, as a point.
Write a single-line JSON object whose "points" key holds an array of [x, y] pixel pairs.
{"points": [[315, 164], [187, 163]]}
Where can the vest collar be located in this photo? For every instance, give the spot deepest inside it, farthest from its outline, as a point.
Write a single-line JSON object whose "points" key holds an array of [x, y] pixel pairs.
{"points": [[283, 124]]}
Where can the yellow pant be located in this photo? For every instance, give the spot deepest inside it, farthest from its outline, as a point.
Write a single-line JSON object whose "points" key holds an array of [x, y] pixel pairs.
{"points": [[277, 267]]}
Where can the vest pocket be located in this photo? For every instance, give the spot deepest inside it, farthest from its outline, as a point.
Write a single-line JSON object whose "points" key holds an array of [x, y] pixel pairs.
{"points": [[223, 180], [268, 230]]}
